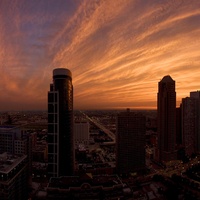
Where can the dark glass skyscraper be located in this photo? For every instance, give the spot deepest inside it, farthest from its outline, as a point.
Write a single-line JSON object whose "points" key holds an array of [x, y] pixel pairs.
{"points": [[166, 119], [196, 96], [130, 156], [60, 124], [191, 123]]}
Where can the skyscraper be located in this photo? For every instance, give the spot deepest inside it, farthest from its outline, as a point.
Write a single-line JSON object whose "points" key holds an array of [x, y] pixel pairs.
{"points": [[196, 96], [60, 124], [166, 108], [189, 119], [191, 123], [130, 155]]}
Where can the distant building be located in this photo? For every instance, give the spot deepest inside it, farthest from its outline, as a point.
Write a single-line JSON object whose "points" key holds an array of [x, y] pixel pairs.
{"points": [[87, 187], [40, 153], [13, 177], [34, 139], [191, 123], [61, 153], [81, 132], [196, 96], [7, 137], [17, 142], [20, 147], [13, 140], [189, 116], [166, 109], [130, 156], [178, 126]]}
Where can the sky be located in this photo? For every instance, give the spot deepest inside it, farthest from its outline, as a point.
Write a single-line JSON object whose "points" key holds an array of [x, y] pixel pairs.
{"points": [[117, 51]]}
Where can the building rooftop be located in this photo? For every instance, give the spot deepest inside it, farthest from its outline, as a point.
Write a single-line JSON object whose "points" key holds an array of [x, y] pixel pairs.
{"points": [[167, 79], [79, 181], [7, 128], [62, 71], [9, 161]]}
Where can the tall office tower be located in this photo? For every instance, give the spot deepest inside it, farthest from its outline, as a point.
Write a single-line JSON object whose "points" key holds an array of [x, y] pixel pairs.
{"points": [[196, 96], [189, 119], [60, 124], [130, 142], [166, 105], [179, 138], [191, 123], [178, 126]]}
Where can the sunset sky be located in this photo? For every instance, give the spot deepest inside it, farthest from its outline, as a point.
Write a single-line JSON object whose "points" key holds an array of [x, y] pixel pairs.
{"points": [[117, 50]]}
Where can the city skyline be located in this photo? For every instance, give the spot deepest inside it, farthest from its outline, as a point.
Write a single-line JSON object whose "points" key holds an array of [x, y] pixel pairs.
{"points": [[117, 51]]}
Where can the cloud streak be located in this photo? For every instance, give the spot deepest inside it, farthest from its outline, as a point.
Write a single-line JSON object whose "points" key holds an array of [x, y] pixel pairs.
{"points": [[117, 51]]}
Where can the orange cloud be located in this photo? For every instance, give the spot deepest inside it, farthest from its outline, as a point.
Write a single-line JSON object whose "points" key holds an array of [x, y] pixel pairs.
{"points": [[117, 51]]}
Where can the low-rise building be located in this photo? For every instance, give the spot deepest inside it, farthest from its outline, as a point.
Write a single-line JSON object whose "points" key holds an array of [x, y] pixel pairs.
{"points": [[87, 187]]}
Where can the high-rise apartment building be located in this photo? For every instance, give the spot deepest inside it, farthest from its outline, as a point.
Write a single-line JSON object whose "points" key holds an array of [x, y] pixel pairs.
{"points": [[60, 124], [191, 123], [178, 126], [166, 110], [130, 142], [189, 117], [196, 96]]}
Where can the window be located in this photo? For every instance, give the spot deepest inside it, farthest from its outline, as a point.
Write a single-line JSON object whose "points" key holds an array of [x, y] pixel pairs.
{"points": [[50, 128], [50, 118], [51, 97], [50, 138], [50, 108], [50, 158], [50, 148]]}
